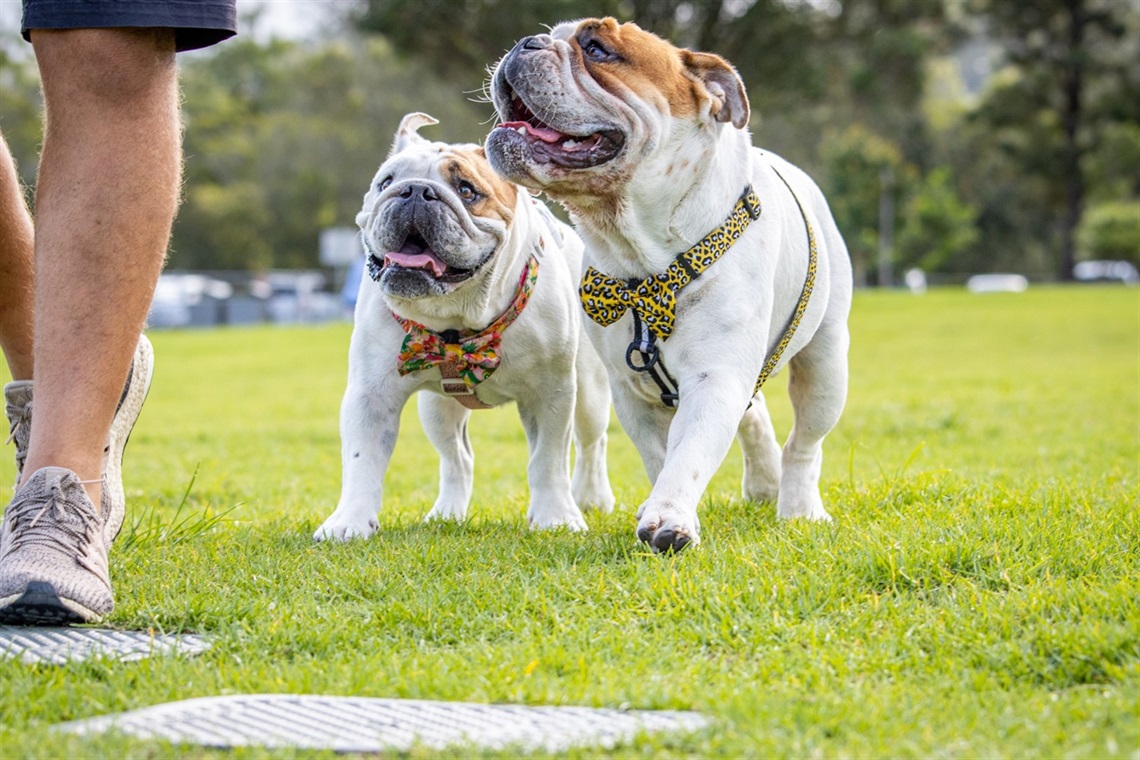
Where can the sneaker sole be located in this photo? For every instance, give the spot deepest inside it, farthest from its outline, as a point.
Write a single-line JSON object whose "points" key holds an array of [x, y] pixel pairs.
{"points": [[127, 413], [41, 605]]}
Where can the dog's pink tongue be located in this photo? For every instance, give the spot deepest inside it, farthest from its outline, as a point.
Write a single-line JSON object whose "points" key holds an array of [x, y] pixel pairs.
{"points": [[425, 260], [546, 134]]}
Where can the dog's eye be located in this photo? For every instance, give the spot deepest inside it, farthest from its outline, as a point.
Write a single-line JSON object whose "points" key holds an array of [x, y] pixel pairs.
{"points": [[595, 51], [466, 191], [384, 183]]}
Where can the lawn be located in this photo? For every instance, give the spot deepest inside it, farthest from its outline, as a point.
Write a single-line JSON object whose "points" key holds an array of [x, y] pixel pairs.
{"points": [[975, 596]]}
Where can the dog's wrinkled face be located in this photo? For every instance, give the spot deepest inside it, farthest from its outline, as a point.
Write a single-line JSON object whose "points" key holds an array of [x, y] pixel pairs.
{"points": [[435, 213], [587, 103]]}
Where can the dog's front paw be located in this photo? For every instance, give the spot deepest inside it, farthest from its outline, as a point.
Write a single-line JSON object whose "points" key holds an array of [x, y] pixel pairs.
{"points": [[340, 528], [555, 513], [667, 528]]}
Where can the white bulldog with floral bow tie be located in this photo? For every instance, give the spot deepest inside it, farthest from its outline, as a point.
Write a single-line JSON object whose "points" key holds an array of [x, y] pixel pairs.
{"points": [[710, 264], [471, 298]]}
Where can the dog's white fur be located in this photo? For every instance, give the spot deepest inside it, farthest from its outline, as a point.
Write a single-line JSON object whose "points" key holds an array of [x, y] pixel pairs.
{"points": [[554, 376], [686, 158]]}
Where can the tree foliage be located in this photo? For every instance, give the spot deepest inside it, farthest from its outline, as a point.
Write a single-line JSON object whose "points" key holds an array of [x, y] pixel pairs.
{"points": [[1073, 72], [283, 139], [872, 97]]}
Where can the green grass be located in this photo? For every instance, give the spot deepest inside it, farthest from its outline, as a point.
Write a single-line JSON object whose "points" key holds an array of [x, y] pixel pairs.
{"points": [[975, 596]]}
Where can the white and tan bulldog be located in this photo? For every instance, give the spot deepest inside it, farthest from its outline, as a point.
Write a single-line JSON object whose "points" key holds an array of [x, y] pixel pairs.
{"points": [[710, 264], [472, 299]]}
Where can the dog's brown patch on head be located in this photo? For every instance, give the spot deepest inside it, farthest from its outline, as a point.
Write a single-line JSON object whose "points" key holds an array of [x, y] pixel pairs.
{"points": [[653, 67], [496, 196], [640, 61]]}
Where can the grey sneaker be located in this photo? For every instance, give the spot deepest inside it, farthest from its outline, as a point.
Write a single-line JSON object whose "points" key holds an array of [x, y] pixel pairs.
{"points": [[114, 501], [53, 561], [18, 405]]}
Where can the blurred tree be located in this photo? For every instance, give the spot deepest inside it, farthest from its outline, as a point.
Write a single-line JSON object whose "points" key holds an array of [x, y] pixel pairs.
{"points": [[1073, 70], [937, 226], [283, 138], [1111, 230], [855, 163], [20, 111]]}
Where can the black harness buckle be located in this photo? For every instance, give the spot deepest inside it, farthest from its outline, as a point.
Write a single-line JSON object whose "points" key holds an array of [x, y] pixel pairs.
{"points": [[752, 204]]}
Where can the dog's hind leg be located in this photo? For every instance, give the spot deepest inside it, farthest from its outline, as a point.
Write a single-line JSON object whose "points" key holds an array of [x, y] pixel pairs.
{"points": [[590, 484], [818, 390], [445, 422], [757, 438]]}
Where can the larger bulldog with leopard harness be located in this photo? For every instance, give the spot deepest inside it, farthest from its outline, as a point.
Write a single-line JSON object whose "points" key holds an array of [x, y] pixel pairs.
{"points": [[709, 265]]}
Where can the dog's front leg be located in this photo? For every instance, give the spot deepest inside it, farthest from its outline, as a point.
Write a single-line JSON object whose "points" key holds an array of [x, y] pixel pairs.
{"points": [[445, 422], [547, 420], [700, 435], [369, 425]]}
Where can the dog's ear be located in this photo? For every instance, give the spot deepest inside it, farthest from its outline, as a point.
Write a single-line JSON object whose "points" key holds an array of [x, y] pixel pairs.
{"points": [[406, 133], [728, 101]]}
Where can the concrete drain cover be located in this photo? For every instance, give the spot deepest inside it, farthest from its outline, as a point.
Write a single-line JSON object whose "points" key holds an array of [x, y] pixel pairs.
{"points": [[61, 645], [358, 724]]}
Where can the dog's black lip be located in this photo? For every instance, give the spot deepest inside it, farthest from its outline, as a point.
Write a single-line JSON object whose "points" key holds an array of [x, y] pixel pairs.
{"points": [[611, 142], [376, 268]]}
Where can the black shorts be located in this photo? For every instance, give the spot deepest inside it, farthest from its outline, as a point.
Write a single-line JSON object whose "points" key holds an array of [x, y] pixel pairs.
{"points": [[196, 23]]}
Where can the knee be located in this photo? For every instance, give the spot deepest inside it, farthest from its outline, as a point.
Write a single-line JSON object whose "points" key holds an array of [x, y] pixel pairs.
{"points": [[113, 65]]}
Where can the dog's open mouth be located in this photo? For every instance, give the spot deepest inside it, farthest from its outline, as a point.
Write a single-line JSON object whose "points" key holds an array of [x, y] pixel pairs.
{"points": [[415, 254], [548, 145]]}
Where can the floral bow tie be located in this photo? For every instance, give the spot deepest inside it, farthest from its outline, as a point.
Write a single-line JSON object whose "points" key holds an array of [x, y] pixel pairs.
{"points": [[474, 357], [654, 299], [470, 357]]}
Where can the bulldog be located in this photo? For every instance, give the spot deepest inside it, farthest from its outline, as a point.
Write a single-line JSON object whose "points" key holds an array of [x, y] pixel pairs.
{"points": [[471, 299], [709, 265]]}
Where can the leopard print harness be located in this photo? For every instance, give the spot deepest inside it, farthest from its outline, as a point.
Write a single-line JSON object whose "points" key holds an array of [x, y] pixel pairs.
{"points": [[653, 301]]}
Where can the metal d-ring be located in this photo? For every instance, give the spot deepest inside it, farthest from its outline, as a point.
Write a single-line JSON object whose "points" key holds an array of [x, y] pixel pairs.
{"points": [[648, 358]]}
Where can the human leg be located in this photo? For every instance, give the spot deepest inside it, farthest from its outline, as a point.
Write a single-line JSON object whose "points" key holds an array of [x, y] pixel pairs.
{"points": [[105, 201], [16, 271]]}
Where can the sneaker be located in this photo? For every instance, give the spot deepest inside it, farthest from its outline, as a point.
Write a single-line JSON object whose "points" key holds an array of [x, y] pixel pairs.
{"points": [[53, 561], [18, 405], [114, 501]]}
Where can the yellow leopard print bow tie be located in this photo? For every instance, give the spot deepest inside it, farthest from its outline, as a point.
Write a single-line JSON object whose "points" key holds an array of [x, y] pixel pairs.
{"points": [[606, 299]]}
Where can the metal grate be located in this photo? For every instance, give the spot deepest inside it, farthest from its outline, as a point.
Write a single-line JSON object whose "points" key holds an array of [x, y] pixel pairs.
{"points": [[61, 645], [357, 724]]}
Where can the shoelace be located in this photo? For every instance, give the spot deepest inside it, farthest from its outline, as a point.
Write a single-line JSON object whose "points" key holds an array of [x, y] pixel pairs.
{"points": [[71, 532], [20, 430]]}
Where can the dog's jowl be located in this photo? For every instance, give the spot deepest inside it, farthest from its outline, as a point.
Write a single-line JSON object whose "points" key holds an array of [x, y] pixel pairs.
{"points": [[709, 264], [472, 300]]}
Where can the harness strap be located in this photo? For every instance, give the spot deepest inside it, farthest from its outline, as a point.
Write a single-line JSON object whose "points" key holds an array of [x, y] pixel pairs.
{"points": [[805, 294], [645, 344]]}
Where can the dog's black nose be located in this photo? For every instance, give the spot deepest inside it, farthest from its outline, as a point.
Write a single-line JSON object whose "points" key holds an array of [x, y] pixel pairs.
{"points": [[427, 192], [535, 42]]}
